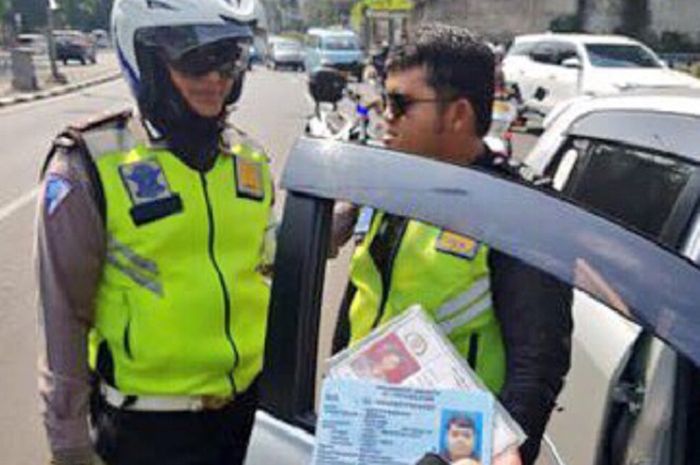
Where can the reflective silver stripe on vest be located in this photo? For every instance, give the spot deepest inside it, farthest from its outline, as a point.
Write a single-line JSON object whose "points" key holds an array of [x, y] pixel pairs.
{"points": [[135, 276], [142, 271], [472, 313], [103, 141], [465, 299], [141, 262]]}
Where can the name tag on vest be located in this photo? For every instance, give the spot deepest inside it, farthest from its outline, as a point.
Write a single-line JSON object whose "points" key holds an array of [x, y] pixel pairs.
{"points": [[454, 244], [149, 192], [249, 179]]}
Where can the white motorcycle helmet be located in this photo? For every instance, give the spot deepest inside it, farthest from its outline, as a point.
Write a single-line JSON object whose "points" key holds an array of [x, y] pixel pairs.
{"points": [[149, 33]]}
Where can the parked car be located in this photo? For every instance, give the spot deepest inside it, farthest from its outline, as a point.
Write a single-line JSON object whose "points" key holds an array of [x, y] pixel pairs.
{"points": [[333, 48], [633, 393], [254, 56], [36, 42], [286, 54], [75, 45], [632, 158], [569, 65]]}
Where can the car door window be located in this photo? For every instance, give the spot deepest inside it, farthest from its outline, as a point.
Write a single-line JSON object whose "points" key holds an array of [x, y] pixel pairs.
{"points": [[521, 49], [545, 53], [564, 51], [637, 187]]}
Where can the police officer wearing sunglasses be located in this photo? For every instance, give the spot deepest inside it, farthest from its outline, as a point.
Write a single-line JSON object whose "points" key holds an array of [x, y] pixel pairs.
{"points": [[153, 235], [511, 322]]}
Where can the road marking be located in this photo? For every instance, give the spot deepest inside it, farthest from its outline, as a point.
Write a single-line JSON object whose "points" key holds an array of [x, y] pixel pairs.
{"points": [[7, 210]]}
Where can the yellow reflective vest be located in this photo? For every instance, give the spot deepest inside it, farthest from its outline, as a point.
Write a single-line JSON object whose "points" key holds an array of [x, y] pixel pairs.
{"points": [[181, 306], [448, 275]]}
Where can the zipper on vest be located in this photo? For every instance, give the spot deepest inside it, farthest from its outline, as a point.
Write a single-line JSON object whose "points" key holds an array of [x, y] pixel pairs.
{"points": [[473, 353], [387, 276], [222, 282]]}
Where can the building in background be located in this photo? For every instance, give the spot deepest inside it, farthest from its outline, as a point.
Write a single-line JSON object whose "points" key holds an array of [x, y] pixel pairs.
{"points": [[653, 21]]}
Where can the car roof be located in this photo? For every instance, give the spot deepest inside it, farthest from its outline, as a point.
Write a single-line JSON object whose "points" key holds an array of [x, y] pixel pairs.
{"points": [[577, 38], [685, 101], [674, 113], [331, 32]]}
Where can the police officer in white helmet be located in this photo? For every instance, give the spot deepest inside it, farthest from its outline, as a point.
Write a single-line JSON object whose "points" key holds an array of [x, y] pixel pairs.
{"points": [[154, 232]]}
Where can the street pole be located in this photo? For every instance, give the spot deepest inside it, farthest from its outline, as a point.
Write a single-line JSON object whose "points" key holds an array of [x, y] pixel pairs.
{"points": [[52, 6]]}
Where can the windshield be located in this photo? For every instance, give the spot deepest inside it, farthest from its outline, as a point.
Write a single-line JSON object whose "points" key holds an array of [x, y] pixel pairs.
{"points": [[339, 43], [621, 56], [292, 46]]}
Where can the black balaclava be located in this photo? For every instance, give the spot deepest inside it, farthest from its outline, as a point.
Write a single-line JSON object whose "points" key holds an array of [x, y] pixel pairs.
{"points": [[191, 137]]}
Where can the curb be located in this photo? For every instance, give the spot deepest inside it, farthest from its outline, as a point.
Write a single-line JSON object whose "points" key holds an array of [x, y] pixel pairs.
{"points": [[56, 91]]}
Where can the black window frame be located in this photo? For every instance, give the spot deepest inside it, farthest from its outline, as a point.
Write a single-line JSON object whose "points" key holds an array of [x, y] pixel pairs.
{"points": [[680, 218]]}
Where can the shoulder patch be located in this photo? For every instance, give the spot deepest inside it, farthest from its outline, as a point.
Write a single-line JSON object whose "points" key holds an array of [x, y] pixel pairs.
{"points": [[455, 244], [249, 179], [105, 119], [57, 190], [234, 136]]}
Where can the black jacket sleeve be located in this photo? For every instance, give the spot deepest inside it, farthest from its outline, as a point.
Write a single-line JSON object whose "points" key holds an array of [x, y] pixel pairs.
{"points": [[534, 311]]}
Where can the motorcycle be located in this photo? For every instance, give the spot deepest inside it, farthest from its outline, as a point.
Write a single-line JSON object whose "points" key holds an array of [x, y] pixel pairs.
{"points": [[328, 88]]}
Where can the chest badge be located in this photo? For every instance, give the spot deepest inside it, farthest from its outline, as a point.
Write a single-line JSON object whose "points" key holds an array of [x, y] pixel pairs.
{"points": [[454, 244], [249, 179], [145, 181], [148, 189]]}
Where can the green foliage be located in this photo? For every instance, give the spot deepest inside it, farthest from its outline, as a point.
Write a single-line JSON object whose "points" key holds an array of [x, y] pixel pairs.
{"points": [[74, 14], [33, 13], [565, 23], [325, 12], [85, 14]]}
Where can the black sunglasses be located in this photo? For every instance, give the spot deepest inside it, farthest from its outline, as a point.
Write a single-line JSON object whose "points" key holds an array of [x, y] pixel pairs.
{"points": [[398, 104], [197, 63]]}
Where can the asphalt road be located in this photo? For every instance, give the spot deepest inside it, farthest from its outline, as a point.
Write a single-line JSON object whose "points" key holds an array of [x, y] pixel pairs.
{"points": [[272, 110]]}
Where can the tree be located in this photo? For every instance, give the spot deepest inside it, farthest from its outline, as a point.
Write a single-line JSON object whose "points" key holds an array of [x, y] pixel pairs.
{"points": [[324, 12], [78, 14], [33, 13]]}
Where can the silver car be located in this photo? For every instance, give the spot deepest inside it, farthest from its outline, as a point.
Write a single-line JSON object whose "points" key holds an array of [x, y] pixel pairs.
{"points": [[286, 54]]}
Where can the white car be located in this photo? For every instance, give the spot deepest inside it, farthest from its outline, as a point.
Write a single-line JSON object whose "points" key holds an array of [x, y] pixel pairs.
{"points": [[622, 223], [570, 65], [633, 158]]}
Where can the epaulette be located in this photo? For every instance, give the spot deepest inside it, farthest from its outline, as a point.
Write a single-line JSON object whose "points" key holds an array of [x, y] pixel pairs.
{"points": [[78, 139], [234, 135], [103, 120]]}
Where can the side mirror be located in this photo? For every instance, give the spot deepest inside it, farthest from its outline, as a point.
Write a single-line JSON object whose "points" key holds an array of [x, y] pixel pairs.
{"points": [[571, 63], [326, 86], [540, 94]]}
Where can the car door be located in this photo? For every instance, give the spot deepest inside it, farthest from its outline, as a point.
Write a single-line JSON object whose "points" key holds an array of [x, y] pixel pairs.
{"points": [[614, 370], [557, 236], [540, 74], [566, 80], [549, 73]]}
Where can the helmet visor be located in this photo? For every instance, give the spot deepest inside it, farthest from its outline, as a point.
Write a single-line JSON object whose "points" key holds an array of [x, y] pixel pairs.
{"points": [[174, 42], [226, 57]]}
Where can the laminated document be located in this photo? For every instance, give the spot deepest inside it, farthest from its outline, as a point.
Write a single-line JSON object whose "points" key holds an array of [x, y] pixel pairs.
{"points": [[364, 423], [411, 351]]}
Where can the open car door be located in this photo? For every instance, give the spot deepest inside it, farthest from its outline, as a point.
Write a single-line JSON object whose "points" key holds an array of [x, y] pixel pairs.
{"points": [[638, 278]]}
